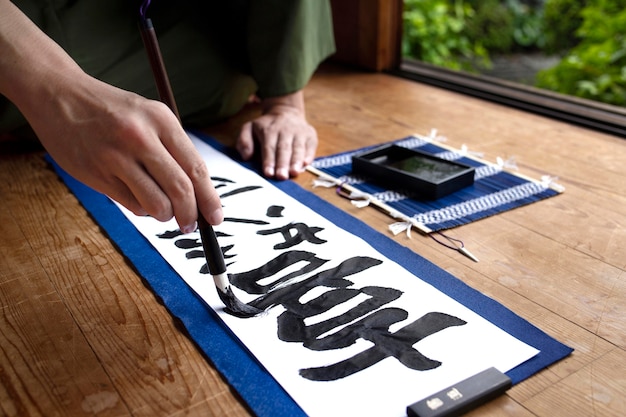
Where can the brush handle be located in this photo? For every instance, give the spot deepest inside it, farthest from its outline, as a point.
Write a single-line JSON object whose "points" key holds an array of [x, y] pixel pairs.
{"points": [[212, 250], [151, 44]]}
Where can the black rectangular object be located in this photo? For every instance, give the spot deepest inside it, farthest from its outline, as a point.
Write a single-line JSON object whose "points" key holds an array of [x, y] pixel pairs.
{"points": [[462, 397], [402, 168]]}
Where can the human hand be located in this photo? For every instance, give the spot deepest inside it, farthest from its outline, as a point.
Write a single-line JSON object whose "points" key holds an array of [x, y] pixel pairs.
{"points": [[132, 149], [287, 141], [119, 143]]}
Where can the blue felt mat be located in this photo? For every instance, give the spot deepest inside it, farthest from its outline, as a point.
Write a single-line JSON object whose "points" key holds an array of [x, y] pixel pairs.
{"points": [[255, 385], [494, 190]]}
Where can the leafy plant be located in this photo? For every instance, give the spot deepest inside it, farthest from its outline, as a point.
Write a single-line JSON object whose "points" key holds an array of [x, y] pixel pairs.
{"points": [[460, 35], [527, 24], [508, 25], [492, 25], [596, 67], [561, 19], [434, 33]]}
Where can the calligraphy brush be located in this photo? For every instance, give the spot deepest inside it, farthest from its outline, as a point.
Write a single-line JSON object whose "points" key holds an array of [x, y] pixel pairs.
{"points": [[212, 250]]}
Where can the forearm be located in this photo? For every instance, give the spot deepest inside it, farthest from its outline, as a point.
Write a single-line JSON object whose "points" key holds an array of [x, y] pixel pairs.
{"points": [[33, 67], [117, 142]]}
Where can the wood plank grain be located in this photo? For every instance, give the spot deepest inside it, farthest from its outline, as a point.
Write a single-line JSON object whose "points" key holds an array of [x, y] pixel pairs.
{"points": [[155, 369], [82, 334], [504, 279], [559, 262], [47, 366], [596, 390]]}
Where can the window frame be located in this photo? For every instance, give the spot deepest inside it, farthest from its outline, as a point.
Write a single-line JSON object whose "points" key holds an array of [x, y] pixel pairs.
{"points": [[368, 34]]}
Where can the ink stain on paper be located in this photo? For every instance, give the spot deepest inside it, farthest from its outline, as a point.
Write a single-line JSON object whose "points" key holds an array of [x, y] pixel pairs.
{"points": [[188, 243], [275, 211], [222, 182], [194, 254], [240, 190], [247, 221], [170, 234]]}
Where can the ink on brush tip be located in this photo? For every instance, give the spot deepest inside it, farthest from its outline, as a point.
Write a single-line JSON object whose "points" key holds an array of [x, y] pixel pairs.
{"points": [[217, 268], [234, 306]]}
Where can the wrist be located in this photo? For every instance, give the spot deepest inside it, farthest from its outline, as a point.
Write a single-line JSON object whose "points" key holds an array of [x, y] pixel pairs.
{"points": [[293, 102], [32, 66]]}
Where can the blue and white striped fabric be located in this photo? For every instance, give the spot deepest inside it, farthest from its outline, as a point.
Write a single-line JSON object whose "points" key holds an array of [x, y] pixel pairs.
{"points": [[494, 191]]}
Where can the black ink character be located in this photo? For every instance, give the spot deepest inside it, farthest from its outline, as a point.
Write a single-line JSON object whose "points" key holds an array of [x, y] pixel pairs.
{"points": [[275, 211], [399, 345], [170, 234], [365, 321], [303, 232], [368, 320]]}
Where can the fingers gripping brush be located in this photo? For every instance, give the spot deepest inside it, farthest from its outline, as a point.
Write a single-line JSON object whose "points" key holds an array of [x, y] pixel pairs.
{"points": [[212, 250]]}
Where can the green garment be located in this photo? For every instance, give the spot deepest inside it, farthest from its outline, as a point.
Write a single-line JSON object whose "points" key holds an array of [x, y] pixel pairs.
{"points": [[217, 53]]}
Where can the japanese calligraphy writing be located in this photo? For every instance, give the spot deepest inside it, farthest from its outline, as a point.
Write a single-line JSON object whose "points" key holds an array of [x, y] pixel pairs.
{"points": [[291, 273]]}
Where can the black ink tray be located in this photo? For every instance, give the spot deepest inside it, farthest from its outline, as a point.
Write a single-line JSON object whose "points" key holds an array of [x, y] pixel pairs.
{"points": [[408, 169]]}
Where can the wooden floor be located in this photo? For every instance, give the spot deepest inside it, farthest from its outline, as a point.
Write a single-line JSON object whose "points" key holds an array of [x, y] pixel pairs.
{"points": [[81, 334]]}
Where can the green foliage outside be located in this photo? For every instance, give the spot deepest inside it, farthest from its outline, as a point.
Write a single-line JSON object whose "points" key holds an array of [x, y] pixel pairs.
{"points": [[507, 25], [528, 31], [492, 25], [561, 18], [590, 35], [434, 32], [596, 67], [461, 34]]}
